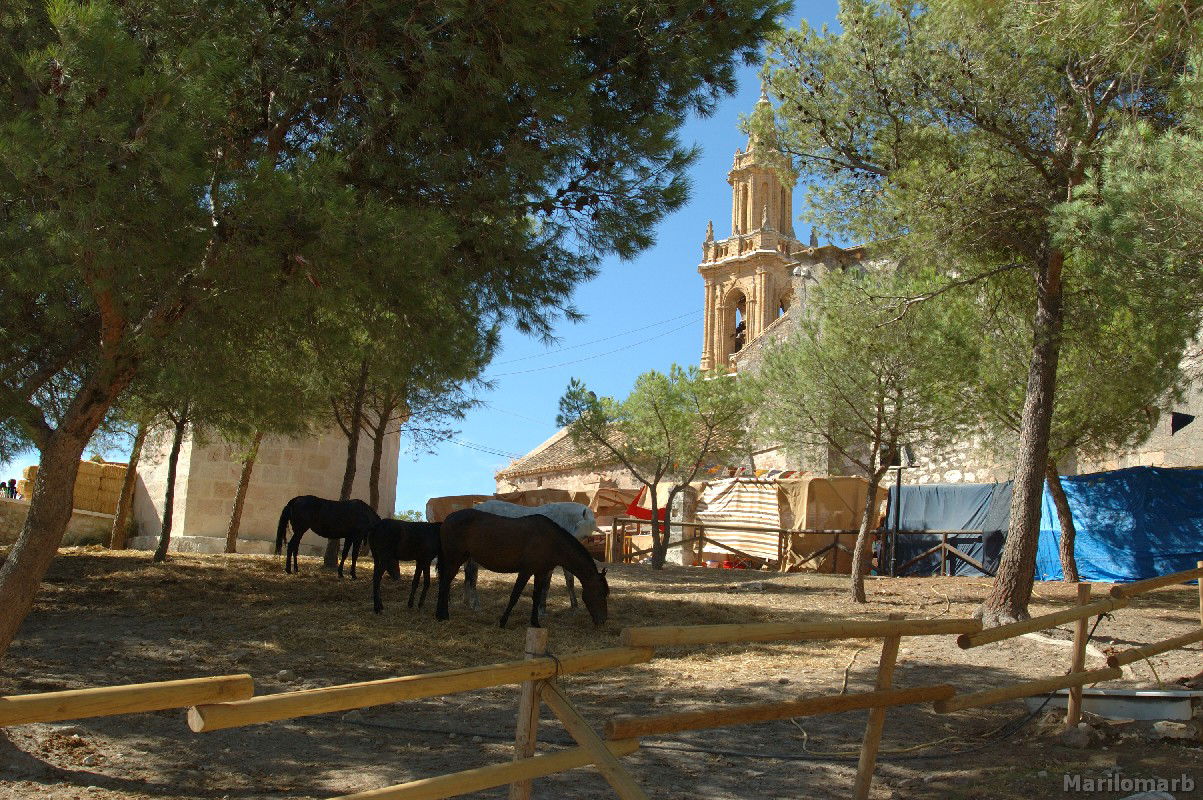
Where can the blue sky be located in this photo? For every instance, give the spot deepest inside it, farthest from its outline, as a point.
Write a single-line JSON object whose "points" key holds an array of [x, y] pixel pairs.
{"points": [[641, 314]]}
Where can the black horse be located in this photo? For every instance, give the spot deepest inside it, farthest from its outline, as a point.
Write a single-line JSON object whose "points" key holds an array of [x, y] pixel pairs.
{"points": [[394, 540], [349, 520], [532, 545]]}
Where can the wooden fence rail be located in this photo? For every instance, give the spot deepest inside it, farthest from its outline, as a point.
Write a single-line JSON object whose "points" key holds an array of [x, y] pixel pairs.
{"points": [[475, 780], [137, 698], [679, 635], [1140, 587], [287, 705]]}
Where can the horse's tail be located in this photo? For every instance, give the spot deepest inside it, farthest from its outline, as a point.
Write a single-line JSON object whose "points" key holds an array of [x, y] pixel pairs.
{"points": [[282, 528]]}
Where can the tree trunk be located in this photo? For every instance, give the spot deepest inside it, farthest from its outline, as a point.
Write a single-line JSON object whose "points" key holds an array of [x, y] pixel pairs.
{"points": [[118, 540], [244, 480], [177, 439], [867, 518], [50, 508], [659, 549], [1008, 598], [1069, 564], [45, 524], [378, 433], [353, 427]]}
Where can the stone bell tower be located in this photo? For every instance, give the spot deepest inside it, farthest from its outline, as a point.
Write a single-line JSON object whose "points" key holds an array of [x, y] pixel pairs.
{"points": [[748, 275]]}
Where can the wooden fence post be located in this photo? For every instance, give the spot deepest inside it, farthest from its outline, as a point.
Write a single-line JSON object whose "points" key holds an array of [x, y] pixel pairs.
{"points": [[877, 720], [527, 733], [1073, 713], [1200, 582]]}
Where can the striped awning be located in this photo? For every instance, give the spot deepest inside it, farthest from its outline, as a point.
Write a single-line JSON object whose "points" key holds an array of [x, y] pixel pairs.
{"points": [[742, 501]]}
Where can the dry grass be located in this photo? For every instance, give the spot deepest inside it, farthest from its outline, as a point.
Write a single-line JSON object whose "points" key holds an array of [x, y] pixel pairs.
{"points": [[105, 618]]}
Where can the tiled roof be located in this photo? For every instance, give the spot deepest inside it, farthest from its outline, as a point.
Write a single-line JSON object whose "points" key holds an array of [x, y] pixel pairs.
{"points": [[555, 454]]}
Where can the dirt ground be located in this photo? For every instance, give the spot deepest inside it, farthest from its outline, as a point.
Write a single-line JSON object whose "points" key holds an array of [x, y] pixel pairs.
{"points": [[107, 618]]}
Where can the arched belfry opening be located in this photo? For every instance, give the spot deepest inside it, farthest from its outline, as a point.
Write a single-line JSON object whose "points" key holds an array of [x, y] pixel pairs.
{"points": [[784, 302], [736, 327]]}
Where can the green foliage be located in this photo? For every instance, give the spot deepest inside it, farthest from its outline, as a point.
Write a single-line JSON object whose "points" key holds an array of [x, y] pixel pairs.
{"points": [[860, 378], [410, 515], [180, 165], [667, 430]]}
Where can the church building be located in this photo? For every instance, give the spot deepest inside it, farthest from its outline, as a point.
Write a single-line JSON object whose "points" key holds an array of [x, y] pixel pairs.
{"points": [[755, 286]]}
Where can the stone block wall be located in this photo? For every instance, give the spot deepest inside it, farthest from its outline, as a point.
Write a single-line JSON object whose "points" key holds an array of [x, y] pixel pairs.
{"points": [[207, 478], [85, 527]]}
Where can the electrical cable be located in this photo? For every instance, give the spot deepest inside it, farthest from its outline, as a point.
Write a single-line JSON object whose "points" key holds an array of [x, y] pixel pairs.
{"points": [[640, 329], [595, 355], [484, 448]]}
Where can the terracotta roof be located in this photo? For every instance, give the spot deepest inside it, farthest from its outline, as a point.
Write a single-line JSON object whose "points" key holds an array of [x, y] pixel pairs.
{"points": [[556, 454]]}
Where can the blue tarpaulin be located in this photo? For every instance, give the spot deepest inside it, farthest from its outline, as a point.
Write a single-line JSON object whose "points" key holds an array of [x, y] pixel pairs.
{"points": [[1131, 524], [951, 507]]}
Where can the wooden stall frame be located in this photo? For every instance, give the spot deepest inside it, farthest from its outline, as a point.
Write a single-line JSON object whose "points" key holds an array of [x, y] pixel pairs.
{"points": [[618, 548]]}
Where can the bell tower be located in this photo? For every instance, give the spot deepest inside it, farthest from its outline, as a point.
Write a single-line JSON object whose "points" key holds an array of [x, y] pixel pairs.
{"points": [[747, 275]]}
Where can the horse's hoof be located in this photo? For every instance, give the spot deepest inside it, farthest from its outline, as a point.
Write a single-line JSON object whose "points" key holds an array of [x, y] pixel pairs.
{"points": [[379, 610]]}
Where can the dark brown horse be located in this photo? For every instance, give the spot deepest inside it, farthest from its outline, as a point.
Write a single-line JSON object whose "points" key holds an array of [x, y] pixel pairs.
{"points": [[349, 520], [532, 545], [393, 541]]}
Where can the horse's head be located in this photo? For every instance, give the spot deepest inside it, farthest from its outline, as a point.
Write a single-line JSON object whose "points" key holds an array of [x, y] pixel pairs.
{"points": [[595, 594]]}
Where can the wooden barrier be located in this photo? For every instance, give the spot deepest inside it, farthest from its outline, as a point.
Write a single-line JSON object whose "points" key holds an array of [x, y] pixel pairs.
{"points": [[105, 701], [1026, 689], [269, 708], [1140, 587], [526, 733], [967, 640], [475, 780], [624, 727], [1073, 709], [1138, 653], [677, 635]]}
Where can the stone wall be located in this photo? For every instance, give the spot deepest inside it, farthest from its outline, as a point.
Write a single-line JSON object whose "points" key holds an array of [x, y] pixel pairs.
{"points": [[207, 478], [85, 527]]}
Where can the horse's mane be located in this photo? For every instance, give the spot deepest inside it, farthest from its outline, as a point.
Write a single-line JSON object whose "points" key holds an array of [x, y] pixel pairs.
{"points": [[576, 543]]}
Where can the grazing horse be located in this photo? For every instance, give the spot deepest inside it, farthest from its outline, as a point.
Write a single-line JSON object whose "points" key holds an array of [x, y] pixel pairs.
{"points": [[394, 540], [349, 520], [575, 518], [531, 545]]}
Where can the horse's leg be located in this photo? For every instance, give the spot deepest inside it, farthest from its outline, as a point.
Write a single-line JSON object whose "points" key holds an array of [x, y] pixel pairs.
{"points": [[355, 556], [539, 599], [343, 559], [570, 583], [471, 598], [425, 583], [448, 566], [377, 574], [294, 545], [519, 585], [413, 586]]}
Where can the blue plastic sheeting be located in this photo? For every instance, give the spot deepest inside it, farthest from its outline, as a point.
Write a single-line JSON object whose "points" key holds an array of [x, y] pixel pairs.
{"points": [[1131, 524], [951, 507]]}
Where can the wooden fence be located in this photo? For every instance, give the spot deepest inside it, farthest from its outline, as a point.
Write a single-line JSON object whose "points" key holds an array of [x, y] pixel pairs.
{"points": [[216, 703], [620, 549]]}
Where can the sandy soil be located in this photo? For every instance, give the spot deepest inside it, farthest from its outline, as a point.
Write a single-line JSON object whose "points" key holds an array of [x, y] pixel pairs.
{"points": [[106, 618]]}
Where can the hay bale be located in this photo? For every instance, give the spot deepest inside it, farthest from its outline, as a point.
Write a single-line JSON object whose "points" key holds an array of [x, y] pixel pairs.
{"points": [[109, 471], [110, 484], [31, 473], [25, 488]]}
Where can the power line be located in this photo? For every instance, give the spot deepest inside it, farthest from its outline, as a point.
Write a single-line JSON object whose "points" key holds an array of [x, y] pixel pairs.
{"points": [[595, 341], [596, 355], [484, 448], [487, 404]]}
